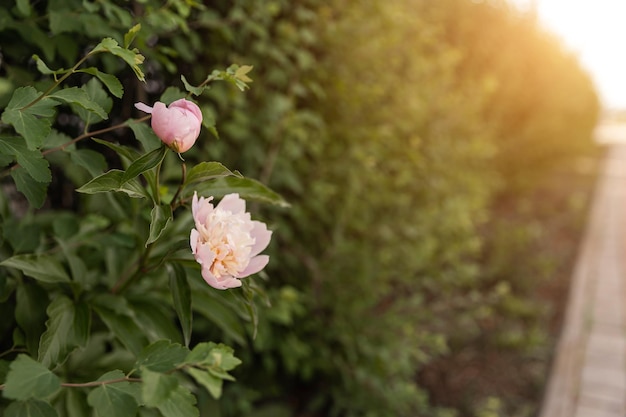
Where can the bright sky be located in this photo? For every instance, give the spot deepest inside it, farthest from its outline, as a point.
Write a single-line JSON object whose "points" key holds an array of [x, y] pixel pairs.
{"points": [[596, 31]]}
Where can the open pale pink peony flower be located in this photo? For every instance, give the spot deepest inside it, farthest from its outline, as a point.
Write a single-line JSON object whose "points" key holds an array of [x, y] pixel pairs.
{"points": [[226, 242], [178, 125]]}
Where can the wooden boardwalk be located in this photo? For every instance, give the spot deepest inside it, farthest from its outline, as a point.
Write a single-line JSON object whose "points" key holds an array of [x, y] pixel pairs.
{"points": [[588, 376]]}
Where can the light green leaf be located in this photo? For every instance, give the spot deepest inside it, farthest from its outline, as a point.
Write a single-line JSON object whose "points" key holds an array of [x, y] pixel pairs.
{"points": [[44, 268], [161, 356], [67, 328], [205, 171], [156, 387], [111, 82], [181, 402], [28, 378], [143, 164], [43, 68], [132, 58], [112, 181], [34, 191], [196, 91], [75, 95], [30, 408], [32, 122], [161, 216], [115, 399], [145, 135], [212, 383], [172, 94], [129, 36], [23, 6], [31, 160], [247, 188], [96, 93], [213, 355], [181, 296]]}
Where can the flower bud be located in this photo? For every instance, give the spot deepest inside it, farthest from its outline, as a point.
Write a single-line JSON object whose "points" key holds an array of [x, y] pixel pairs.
{"points": [[178, 125]]}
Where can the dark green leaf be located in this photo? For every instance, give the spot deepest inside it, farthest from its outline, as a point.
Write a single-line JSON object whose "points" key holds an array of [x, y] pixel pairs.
{"points": [[30, 313], [110, 81], [155, 319], [171, 94], [132, 58], [162, 356], [247, 188], [34, 191], [156, 387], [94, 90], [129, 154], [145, 163], [181, 402], [92, 161], [28, 378], [44, 268], [213, 355], [75, 95], [32, 122], [205, 171], [112, 181], [43, 68], [181, 296], [115, 313], [31, 160], [145, 135], [30, 408], [221, 315], [161, 216], [114, 399], [67, 328]]}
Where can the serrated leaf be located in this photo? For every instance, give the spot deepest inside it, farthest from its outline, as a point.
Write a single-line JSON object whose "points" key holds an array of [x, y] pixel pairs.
{"points": [[67, 328], [181, 402], [143, 164], [30, 408], [96, 93], [132, 58], [156, 387], [205, 171], [34, 191], [213, 355], [172, 94], [129, 36], [181, 297], [44, 268], [78, 96], [240, 73], [161, 216], [161, 356], [111, 82], [247, 188], [28, 378], [32, 121], [193, 90], [114, 399], [112, 181], [43, 68], [212, 383], [31, 160]]}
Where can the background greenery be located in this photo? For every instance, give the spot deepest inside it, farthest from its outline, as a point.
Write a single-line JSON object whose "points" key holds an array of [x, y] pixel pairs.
{"points": [[430, 153]]}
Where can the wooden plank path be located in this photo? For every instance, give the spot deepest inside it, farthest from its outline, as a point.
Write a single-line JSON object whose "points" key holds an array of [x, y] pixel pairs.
{"points": [[588, 376]]}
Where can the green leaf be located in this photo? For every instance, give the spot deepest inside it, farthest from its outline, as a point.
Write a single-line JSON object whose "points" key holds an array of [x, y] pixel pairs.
{"points": [[129, 36], [114, 399], [115, 313], [145, 163], [31, 160], [111, 82], [205, 171], [213, 356], [156, 387], [23, 7], [30, 313], [112, 181], [67, 328], [161, 216], [247, 188], [172, 94], [125, 152], [44, 268], [30, 408], [161, 356], [96, 93], [92, 161], [132, 58], [75, 95], [28, 378], [34, 191], [43, 68], [193, 90], [221, 315], [181, 296], [145, 135], [32, 122], [212, 383], [180, 402], [155, 319]]}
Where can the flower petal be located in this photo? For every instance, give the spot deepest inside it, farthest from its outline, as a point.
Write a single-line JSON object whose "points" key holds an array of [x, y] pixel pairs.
{"points": [[232, 203], [143, 107], [261, 237], [256, 264]]}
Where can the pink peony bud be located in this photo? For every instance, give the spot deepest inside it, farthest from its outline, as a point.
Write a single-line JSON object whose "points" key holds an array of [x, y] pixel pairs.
{"points": [[226, 242], [178, 125]]}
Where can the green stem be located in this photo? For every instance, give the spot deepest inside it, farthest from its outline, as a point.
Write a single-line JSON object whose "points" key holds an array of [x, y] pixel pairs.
{"points": [[173, 204], [123, 283]]}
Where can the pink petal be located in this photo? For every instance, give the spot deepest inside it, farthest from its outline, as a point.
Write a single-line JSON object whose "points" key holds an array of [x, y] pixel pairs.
{"points": [[220, 284], [143, 107], [261, 237], [256, 264], [193, 240], [204, 255], [189, 106], [232, 203]]}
